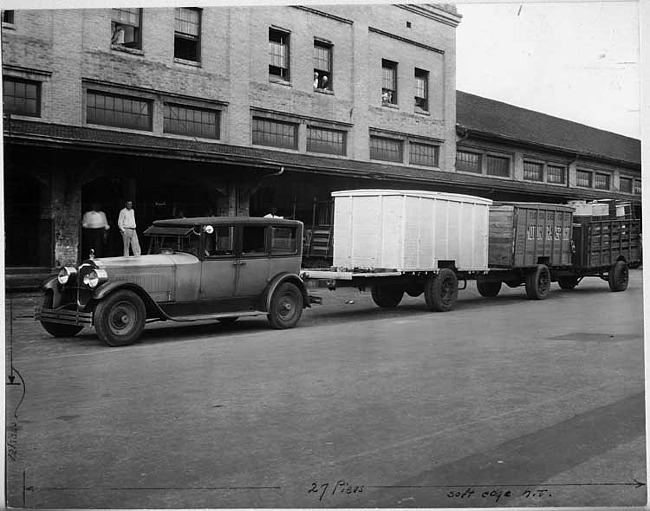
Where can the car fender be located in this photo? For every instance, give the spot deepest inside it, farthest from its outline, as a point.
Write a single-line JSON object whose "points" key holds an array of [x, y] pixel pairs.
{"points": [[280, 279], [153, 310]]}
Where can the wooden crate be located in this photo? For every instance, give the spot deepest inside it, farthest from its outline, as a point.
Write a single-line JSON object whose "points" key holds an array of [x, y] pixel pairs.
{"points": [[523, 234]]}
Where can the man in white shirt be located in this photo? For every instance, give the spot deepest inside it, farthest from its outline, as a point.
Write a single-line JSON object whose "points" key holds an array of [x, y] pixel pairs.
{"points": [[126, 223], [272, 214], [95, 227]]}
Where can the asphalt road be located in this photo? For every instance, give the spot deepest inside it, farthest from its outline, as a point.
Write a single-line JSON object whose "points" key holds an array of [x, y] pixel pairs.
{"points": [[500, 402]]}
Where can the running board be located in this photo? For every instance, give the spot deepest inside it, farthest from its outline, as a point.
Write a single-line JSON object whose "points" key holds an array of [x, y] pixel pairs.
{"points": [[221, 315]]}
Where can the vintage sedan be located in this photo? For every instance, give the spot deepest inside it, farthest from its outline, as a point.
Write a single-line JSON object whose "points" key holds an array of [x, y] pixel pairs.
{"points": [[218, 268]]}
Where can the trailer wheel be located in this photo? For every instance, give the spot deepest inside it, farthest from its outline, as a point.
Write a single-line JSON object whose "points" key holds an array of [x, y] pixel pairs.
{"points": [[488, 288], [441, 291], [538, 283], [119, 318], [387, 297], [619, 276], [567, 282]]}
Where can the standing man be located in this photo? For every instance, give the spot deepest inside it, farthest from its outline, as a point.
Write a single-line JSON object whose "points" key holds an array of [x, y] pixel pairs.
{"points": [[126, 223], [95, 228]]}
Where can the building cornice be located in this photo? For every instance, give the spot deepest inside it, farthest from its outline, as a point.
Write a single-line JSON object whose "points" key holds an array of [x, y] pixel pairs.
{"points": [[434, 13], [324, 14], [378, 31]]}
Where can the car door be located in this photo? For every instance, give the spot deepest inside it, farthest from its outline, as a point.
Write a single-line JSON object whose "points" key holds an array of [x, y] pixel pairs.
{"points": [[219, 264], [253, 262]]}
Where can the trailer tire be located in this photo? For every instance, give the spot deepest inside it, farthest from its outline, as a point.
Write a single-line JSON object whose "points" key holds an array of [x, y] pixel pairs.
{"points": [[387, 297], [619, 276], [488, 288], [441, 291], [538, 283], [567, 282]]}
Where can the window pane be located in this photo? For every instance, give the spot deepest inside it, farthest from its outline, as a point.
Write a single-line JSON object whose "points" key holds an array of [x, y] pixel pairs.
{"points": [[283, 240], [601, 181], [21, 97], [637, 186], [583, 178], [423, 154], [533, 171], [386, 149], [422, 89], [198, 122], [389, 82], [121, 111], [253, 240], [321, 140], [498, 166], [274, 133], [126, 17], [322, 57], [626, 185], [187, 21], [555, 174], [279, 53], [468, 162]]}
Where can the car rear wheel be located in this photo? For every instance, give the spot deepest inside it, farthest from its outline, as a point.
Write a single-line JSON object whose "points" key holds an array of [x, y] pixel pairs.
{"points": [[57, 329], [286, 306], [120, 318]]}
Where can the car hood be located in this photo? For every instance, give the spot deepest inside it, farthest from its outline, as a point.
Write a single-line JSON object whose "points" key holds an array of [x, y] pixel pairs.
{"points": [[143, 262]]}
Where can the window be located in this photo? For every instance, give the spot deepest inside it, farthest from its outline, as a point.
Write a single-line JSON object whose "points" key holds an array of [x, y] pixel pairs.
{"points": [[556, 174], [115, 110], [8, 17], [533, 171], [191, 121], [583, 178], [21, 97], [637, 187], [279, 54], [498, 166], [625, 185], [386, 149], [275, 133], [187, 34], [125, 28], [253, 240], [423, 154], [322, 140], [283, 240], [468, 162], [220, 242], [322, 65], [388, 82], [421, 90], [601, 181]]}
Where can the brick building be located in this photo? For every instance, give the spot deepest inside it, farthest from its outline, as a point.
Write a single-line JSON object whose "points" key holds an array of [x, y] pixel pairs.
{"points": [[150, 104], [230, 111]]}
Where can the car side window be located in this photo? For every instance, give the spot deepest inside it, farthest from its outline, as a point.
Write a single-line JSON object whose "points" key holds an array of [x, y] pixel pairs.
{"points": [[283, 240], [220, 242], [254, 241]]}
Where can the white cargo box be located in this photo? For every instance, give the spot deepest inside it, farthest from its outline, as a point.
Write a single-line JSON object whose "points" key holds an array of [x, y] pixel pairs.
{"points": [[405, 230]]}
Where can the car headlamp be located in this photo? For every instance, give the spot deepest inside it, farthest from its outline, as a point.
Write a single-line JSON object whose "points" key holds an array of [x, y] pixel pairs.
{"points": [[94, 277], [66, 275]]}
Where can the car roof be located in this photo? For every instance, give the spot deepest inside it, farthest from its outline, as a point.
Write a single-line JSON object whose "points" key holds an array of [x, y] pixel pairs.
{"points": [[225, 220]]}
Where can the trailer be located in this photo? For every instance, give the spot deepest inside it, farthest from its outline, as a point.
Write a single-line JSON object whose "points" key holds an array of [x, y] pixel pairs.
{"points": [[420, 242]]}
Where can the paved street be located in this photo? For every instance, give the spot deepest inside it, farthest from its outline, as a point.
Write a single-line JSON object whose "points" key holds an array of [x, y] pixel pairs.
{"points": [[500, 402]]}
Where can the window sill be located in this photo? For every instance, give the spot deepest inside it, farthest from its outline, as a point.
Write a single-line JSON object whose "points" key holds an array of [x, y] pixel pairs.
{"points": [[394, 106], [10, 26], [279, 81], [124, 49], [192, 63], [324, 91], [419, 111]]}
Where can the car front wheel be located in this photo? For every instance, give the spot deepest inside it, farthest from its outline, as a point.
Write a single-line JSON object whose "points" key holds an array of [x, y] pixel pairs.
{"points": [[58, 329], [120, 318], [286, 306]]}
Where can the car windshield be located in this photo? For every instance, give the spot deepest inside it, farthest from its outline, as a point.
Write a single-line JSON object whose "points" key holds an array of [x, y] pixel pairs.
{"points": [[165, 244]]}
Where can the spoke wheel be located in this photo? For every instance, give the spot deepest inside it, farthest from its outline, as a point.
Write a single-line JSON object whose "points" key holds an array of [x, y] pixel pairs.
{"points": [[538, 283], [286, 306], [120, 318], [619, 277], [441, 291], [387, 296]]}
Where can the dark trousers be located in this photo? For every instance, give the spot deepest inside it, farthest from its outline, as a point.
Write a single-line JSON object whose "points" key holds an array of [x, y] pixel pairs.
{"points": [[93, 239]]}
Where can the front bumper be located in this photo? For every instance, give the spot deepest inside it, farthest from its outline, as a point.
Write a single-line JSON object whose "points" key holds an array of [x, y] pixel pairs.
{"points": [[63, 316]]}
